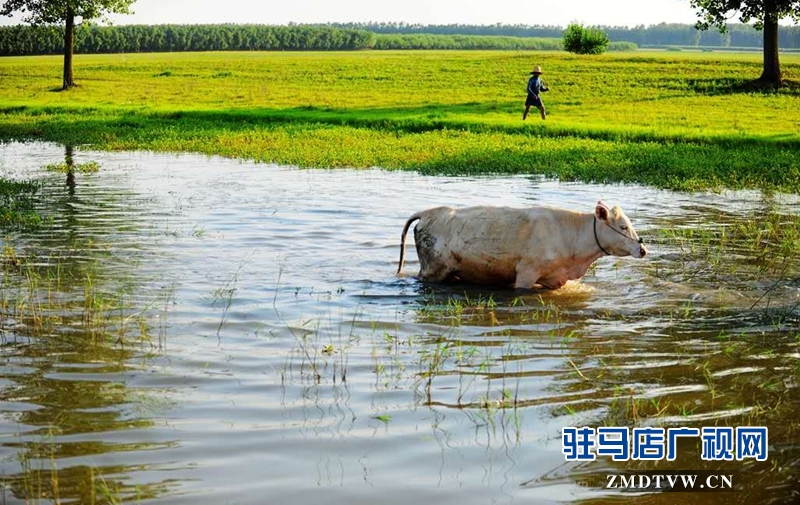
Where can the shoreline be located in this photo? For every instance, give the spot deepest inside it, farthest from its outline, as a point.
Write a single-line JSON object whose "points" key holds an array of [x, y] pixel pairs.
{"points": [[428, 147]]}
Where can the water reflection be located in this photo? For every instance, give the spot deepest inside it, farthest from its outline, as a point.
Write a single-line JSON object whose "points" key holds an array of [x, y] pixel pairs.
{"points": [[269, 350], [74, 333]]}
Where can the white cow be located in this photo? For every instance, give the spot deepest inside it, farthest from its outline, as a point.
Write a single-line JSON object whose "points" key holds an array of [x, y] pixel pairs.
{"points": [[531, 247]]}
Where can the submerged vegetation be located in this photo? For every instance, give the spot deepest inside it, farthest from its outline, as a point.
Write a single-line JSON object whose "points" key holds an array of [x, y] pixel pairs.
{"points": [[17, 204], [673, 121], [71, 168], [66, 297]]}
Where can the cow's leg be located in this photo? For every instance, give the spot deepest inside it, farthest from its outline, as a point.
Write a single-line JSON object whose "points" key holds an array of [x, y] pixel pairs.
{"points": [[527, 276], [556, 281], [556, 284], [435, 273]]}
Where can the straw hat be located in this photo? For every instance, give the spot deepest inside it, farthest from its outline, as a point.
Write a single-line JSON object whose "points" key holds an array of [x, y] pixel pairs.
{"points": [[537, 70]]}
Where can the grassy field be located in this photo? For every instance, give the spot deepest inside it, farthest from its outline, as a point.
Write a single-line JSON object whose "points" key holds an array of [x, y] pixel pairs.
{"points": [[669, 120]]}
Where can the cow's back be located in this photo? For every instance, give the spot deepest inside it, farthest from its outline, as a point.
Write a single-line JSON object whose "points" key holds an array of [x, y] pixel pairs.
{"points": [[493, 231], [479, 244]]}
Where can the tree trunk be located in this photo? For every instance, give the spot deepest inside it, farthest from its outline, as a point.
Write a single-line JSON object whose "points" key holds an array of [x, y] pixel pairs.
{"points": [[69, 42], [772, 66]]}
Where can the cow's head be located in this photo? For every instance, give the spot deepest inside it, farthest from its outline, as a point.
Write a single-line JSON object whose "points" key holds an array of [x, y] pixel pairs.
{"points": [[615, 233]]}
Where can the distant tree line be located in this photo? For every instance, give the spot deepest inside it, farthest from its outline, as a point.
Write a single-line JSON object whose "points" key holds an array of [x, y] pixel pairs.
{"points": [[27, 40], [435, 41], [458, 29], [739, 35]]}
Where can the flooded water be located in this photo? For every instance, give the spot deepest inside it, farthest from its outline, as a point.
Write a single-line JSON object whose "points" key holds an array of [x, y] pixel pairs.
{"points": [[185, 329]]}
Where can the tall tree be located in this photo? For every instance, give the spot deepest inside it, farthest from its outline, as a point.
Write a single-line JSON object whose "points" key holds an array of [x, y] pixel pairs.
{"points": [[766, 14], [64, 12]]}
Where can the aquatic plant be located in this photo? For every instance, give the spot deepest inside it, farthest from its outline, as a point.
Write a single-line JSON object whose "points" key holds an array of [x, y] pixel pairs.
{"points": [[18, 204], [89, 167]]}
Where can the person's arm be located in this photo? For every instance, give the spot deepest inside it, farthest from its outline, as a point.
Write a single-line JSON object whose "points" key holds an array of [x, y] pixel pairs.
{"points": [[531, 91], [544, 87]]}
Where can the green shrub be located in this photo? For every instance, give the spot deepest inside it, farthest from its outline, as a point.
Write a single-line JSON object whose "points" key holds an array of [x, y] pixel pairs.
{"points": [[581, 40]]}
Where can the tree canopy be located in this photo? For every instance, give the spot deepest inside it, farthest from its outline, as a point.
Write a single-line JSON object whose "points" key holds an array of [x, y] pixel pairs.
{"points": [[765, 13], [45, 12], [719, 12], [50, 12]]}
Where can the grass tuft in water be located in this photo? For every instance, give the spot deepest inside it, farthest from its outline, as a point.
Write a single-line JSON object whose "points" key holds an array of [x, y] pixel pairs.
{"points": [[18, 205], [89, 167]]}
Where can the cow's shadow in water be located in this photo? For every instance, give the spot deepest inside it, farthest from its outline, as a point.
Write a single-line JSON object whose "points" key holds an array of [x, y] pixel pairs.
{"points": [[455, 288], [487, 306]]}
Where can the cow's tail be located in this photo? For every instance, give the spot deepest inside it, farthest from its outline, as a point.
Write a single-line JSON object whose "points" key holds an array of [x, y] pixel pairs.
{"points": [[413, 218]]}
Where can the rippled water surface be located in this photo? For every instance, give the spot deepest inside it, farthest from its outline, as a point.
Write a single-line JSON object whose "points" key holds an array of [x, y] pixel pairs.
{"points": [[186, 329]]}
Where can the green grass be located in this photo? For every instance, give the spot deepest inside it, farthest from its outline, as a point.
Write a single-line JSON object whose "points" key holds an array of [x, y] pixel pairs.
{"points": [[71, 168], [17, 204], [668, 120]]}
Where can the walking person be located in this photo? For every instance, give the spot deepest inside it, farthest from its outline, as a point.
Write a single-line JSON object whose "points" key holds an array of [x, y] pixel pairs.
{"points": [[535, 86]]}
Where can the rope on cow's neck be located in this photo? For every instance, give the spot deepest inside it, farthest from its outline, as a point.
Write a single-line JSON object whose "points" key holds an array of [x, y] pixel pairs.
{"points": [[598, 240], [641, 240]]}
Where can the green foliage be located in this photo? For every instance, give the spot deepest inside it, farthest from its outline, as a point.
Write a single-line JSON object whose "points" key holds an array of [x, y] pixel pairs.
{"points": [[43, 12], [49, 12], [581, 40], [718, 12], [430, 41], [669, 120], [518, 30], [17, 204], [766, 13], [90, 167], [24, 40], [662, 34]]}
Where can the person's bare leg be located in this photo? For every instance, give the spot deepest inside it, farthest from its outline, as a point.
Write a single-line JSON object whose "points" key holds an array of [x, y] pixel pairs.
{"points": [[525, 115], [542, 112]]}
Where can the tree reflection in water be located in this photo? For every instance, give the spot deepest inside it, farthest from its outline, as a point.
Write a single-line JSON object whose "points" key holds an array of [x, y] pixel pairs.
{"points": [[74, 334]]}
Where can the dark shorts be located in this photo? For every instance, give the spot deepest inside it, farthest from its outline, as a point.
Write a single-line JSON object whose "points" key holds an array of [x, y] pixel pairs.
{"points": [[533, 100]]}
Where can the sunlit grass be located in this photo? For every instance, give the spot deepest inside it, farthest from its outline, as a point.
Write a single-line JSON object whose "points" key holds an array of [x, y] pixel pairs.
{"points": [[663, 119], [90, 167]]}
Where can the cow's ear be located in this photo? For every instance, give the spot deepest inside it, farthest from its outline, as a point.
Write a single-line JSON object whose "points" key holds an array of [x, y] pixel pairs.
{"points": [[601, 211]]}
